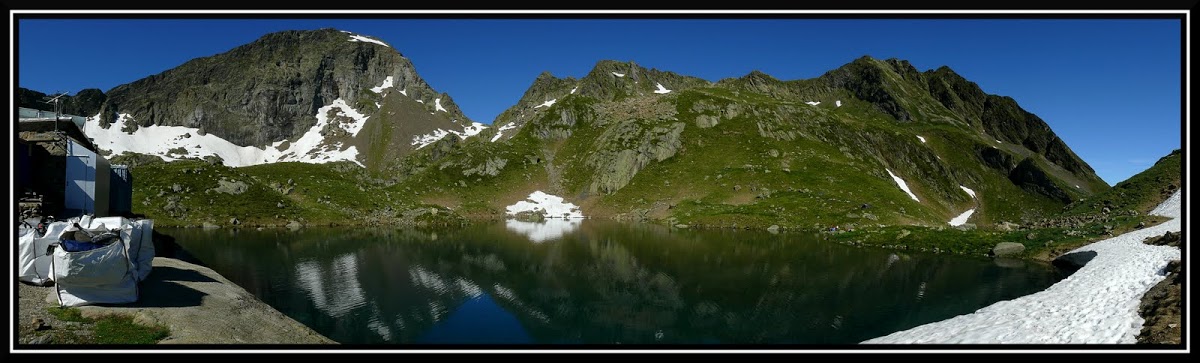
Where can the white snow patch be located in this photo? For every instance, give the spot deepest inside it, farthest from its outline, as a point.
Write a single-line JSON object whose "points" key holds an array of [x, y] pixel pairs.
{"points": [[500, 132], [1169, 207], [962, 218], [311, 147], [359, 38], [968, 190], [421, 141], [921, 138], [387, 83], [344, 110], [661, 89], [813, 103], [405, 92], [618, 74], [547, 103], [437, 105], [903, 185], [837, 103], [999, 142], [573, 90], [473, 129], [420, 101], [1096, 305], [550, 229], [554, 206], [1076, 186]]}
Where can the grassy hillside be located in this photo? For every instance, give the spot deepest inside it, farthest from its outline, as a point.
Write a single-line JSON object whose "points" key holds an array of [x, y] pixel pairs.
{"points": [[1141, 192], [193, 193], [752, 151]]}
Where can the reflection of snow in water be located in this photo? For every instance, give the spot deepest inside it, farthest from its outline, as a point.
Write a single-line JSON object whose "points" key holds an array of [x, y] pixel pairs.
{"points": [[335, 291], [424, 278], [510, 296], [471, 289], [378, 326], [544, 231]]}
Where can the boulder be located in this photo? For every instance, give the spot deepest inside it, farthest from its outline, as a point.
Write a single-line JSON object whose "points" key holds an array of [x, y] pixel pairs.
{"points": [[1007, 249]]}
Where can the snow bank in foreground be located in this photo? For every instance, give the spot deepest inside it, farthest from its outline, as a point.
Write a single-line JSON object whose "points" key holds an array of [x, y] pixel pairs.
{"points": [[661, 89], [1096, 305], [962, 218], [554, 206], [1169, 208], [540, 232], [903, 185]]}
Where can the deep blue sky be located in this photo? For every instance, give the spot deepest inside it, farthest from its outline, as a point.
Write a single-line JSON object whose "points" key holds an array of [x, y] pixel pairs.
{"points": [[1109, 88]]}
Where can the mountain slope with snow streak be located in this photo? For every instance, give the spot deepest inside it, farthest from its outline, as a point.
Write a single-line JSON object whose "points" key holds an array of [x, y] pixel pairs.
{"points": [[903, 185], [1096, 305], [421, 141]]}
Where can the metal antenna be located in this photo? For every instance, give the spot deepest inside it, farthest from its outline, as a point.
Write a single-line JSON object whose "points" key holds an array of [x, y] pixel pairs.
{"points": [[56, 100]]}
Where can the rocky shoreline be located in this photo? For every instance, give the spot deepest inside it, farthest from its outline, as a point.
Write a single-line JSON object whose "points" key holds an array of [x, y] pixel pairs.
{"points": [[1162, 306]]}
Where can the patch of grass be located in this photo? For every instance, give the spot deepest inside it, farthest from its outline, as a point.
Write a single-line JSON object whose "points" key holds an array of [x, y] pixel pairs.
{"points": [[120, 329], [68, 314], [1040, 243], [107, 329]]}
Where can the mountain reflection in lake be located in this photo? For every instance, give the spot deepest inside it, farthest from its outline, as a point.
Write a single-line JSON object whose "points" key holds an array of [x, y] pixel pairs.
{"points": [[599, 282]]}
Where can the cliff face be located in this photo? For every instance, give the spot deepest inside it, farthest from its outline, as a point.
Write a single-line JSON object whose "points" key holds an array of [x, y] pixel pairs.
{"points": [[271, 89]]}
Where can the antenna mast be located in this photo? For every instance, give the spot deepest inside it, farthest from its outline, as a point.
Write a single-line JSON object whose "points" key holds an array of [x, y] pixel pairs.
{"points": [[56, 100]]}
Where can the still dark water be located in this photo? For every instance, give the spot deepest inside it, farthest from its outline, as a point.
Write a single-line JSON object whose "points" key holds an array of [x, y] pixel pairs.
{"points": [[599, 282]]}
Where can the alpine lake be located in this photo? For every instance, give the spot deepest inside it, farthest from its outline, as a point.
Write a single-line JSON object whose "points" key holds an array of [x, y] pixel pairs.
{"points": [[599, 282]]}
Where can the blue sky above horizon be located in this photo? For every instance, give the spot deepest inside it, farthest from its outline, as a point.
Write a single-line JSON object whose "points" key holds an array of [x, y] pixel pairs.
{"points": [[1111, 89]]}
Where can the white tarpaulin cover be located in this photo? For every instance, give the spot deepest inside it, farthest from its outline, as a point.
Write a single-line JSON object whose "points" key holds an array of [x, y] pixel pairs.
{"points": [[105, 275], [101, 276]]}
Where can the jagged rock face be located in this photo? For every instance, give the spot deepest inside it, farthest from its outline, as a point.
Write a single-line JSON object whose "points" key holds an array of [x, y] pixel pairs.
{"points": [[1002, 118], [1031, 177], [607, 81], [271, 89], [869, 82], [84, 103]]}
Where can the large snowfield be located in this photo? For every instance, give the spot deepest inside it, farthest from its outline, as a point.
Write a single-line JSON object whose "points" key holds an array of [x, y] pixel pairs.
{"points": [[311, 147], [1096, 305]]}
